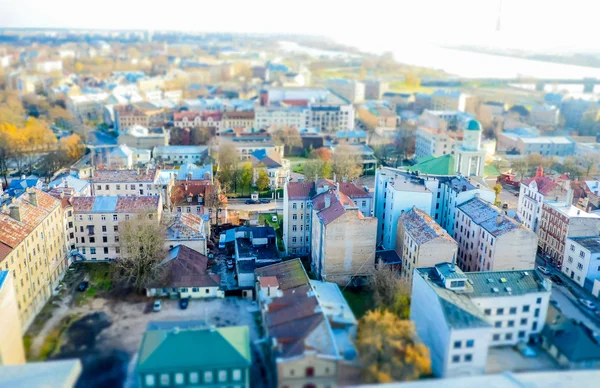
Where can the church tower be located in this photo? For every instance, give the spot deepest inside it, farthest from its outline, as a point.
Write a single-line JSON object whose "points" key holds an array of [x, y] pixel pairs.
{"points": [[470, 157]]}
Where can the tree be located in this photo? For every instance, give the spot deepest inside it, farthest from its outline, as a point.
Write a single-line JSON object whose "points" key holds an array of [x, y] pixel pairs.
{"points": [[288, 137], [389, 291], [520, 167], [346, 164], [389, 349], [497, 189], [571, 167], [315, 169], [262, 181], [213, 199], [588, 163], [321, 153], [228, 161], [73, 146], [245, 175], [78, 67], [142, 242]]}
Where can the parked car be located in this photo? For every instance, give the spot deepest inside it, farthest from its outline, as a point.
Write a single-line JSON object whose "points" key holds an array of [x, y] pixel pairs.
{"points": [[525, 350], [183, 303], [517, 194], [251, 202], [554, 303], [222, 240], [265, 200], [274, 219], [229, 263], [544, 270], [83, 286], [556, 279], [157, 306], [505, 205], [587, 303]]}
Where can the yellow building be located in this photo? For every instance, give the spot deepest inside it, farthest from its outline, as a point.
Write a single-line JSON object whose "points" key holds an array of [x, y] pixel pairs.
{"points": [[32, 246], [11, 345]]}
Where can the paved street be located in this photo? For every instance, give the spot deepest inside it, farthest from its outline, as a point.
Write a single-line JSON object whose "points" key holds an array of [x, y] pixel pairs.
{"points": [[239, 204]]}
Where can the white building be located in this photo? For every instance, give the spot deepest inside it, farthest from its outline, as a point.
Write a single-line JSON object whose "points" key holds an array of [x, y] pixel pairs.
{"points": [[138, 182], [469, 156], [448, 100], [544, 116], [87, 106], [582, 260], [180, 154], [278, 117], [491, 241], [42, 66], [458, 316], [532, 193], [351, 90]]}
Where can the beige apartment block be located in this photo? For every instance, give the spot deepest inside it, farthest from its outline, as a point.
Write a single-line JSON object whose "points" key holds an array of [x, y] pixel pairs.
{"points": [[11, 343], [134, 182], [422, 242], [32, 246]]}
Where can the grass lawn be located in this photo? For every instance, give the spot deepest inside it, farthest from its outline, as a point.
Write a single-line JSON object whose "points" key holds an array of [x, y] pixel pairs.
{"points": [[297, 163], [490, 171], [266, 219], [359, 300]]}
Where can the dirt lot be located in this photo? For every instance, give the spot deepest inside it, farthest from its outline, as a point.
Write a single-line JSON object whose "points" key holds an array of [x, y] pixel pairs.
{"points": [[106, 332]]}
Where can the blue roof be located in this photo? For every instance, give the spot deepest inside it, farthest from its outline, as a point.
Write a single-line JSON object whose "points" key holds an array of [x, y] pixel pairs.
{"points": [[260, 154], [75, 183], [447, 93], [105, 204], [278, 67], [351, 134]]}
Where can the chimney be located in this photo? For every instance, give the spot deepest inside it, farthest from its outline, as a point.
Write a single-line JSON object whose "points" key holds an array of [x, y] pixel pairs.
{"points": [[327, 201], [15, 212], [33, 198], [499, 219], [569, 200], [334, 177]]}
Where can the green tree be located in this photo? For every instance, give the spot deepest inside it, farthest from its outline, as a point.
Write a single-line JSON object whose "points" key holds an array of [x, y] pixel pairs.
{"points": [[262, 181], [245, 175], [316, 168], [389, 349], [497, 190], [227, 160]]}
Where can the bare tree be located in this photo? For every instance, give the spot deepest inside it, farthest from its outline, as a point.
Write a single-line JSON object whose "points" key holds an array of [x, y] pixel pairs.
{"points": [[346, 163], [214, 200], [390, 292], [142, 242], [228, 161]]}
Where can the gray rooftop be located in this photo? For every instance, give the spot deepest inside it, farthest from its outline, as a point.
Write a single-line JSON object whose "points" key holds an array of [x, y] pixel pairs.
{"points": [[592, 243], [488, 216], [506, 283], [56, 373]]}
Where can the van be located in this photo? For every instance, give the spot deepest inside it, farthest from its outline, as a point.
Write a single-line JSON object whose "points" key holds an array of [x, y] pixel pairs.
{"points": [[222, 240]]}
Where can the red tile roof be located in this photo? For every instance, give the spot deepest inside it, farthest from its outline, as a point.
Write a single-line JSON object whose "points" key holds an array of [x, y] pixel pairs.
{"points": [[187, 267], [269, 281], [192, 188], [300, 190], [544, 185], [137, 204], [354, 191], [239, 115], [115, 176]]}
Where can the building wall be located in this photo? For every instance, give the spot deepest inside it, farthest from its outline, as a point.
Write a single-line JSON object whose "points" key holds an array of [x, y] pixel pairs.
{"points": [[296, 225], [428, 254], [430, 324], [471, 342], [187, 292], [170, 376], [11, 343], [345, 247], [581, 265], [197, 244], [515, 250], [527, 316], [294, 373], [144, 142]]}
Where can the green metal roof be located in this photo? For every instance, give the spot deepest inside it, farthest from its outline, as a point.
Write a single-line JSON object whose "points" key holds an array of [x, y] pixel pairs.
{"points": [[505, 283], [473, 125], [165, 350], [443, 165]]}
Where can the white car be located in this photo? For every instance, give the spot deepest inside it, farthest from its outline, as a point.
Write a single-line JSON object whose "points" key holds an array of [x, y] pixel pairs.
{"points": [[157, 306], [587, 303], [544, 270], [222, 238]]}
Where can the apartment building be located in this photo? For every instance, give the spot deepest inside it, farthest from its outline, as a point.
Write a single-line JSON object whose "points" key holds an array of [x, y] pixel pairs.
{"points": [[87, 106], [180, 154], [459, 315], [448, 100], [422, 242], [276, 168], [97, 221], [144, 138], [491, 241], [582, 260], [279, 117], [294, 316], [238, 120], [491, 111], [135, 182], [351, 90], [546, 146], [11, 335], [560, 219], [144, 114], [532, 194], [343, 239], [297, 202], [33, 248], [191, 119], [544, 116], [375, 89], [330, 117]]}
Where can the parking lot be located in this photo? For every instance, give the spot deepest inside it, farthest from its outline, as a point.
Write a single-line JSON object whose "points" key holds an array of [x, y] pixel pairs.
{"points": [[106, 332]]}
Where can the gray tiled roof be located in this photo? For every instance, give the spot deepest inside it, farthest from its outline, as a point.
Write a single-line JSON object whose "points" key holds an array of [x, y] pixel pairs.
{"points": [[488, 216], [590, 243], [506, 282]]}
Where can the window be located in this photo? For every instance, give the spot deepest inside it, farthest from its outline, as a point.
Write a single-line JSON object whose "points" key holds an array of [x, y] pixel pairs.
{"points": [[150, 380], [293, 228], [294, 206], [237, 375], [310, 371], [103, 217], [488, 311], [498, 324], [534, 326], [208, 377], [523, 321], [455, 359], [115, 218], [511, 323], [508, 336], [536, 313], [165, 379], [538, 301], [179, 378], [294, 217], [522, 334], [222, 376], [513, 311], [105, 250], [194, 378], [93, 251], [468, 357], [116, 228], [470, 343], [526, 308], [457, 344], [104, 239], [500, 311], [579, 266]]}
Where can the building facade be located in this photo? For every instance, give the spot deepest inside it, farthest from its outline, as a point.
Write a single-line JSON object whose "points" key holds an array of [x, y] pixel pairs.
{"points": [[532, 193], [581, 262], [11, 342]]}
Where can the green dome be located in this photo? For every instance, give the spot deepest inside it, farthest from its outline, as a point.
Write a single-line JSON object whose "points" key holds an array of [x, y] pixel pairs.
{"points": [[473, 126]]}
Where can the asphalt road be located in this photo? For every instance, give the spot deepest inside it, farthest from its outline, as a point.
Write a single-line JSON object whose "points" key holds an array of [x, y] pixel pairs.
{"points": [[239, 204]]}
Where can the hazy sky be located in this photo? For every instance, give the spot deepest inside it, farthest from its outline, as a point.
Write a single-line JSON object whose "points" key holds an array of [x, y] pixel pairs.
{"points": [[525, 23]]}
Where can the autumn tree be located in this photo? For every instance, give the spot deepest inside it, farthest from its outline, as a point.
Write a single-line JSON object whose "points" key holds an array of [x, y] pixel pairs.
{"points": [[346, 164], [520, 167], [262, 180], [142, 242], [73, 146], [389, 349], [321, 153], [497, 190], [227, 160], [215, 200], [389, 291], [245, 175], [315, 169], [288, 137]]}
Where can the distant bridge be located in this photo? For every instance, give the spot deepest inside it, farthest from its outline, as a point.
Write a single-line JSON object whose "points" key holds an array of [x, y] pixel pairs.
{"points": [[540, 83]]}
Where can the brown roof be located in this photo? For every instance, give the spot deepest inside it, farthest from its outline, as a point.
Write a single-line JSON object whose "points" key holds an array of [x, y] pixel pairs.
{"points": [[5, 250], [187, 267], [305, 190], [115, 176], [545, 185], [239, 115], [269, 281], [182, 190], [354, 191], [300, 190], [137, 204], [83, 204]]}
